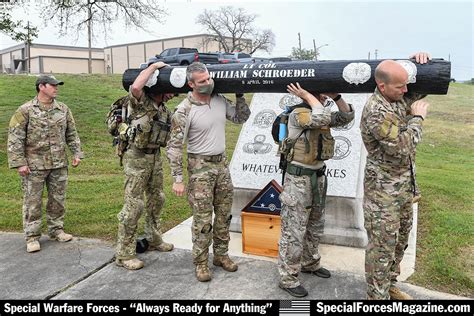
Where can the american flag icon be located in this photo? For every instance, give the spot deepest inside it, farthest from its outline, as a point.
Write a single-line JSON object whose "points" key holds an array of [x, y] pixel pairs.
{"points": [[295, 308]]}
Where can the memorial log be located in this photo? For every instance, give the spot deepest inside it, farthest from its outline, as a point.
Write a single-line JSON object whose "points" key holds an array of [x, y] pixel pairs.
{"points": [[343, 76]]}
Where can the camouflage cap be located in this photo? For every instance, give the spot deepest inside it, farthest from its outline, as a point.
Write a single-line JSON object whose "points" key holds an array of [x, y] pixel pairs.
{"points": [[48, 79]]}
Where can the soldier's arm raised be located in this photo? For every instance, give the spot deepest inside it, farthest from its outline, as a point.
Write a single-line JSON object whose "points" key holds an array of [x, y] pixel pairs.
{"points": [[344, 115], [240, 112], [136, 89], [319, 116], [396, 138]]}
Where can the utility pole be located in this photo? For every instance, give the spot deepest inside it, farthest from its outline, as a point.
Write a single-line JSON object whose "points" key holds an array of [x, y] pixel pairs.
{"points": [[28, 47], [315, 50], [89, 35], [449, 57], [368, 56], [299, 40], [376, 51]]}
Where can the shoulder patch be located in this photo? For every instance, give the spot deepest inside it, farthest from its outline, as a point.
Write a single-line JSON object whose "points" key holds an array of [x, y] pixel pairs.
{"points": [[389, 127], [303, 116], [17, 119]]}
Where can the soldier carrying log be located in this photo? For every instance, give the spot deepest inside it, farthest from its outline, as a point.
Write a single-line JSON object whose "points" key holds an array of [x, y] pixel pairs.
{"points": [[391, 127]]}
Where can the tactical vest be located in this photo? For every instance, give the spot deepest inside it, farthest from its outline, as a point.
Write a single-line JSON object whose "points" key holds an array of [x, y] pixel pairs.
{"points": [[311, 146], [152, 128]]}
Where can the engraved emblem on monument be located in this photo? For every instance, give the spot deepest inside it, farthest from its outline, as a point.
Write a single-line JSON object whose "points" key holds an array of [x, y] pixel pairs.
{"points": [[178, 77], [356, 73], [264, 119], [342, 147], [258, 146], [410, 67]]}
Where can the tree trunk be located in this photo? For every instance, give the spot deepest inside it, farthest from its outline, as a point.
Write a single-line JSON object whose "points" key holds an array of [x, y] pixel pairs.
{"points": [[343, 76], [89, 40]]}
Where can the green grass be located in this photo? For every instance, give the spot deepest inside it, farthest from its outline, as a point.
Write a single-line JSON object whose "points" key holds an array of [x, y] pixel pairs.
{"points": [[445, 161]]}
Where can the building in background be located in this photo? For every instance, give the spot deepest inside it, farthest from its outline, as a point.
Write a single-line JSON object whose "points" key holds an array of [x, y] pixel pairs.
{"points": [[51, 59], [110, 60]]}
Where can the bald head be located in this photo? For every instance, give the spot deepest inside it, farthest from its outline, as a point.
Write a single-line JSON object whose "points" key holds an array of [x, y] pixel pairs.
{"points": [[388, 71], [391, 79]]}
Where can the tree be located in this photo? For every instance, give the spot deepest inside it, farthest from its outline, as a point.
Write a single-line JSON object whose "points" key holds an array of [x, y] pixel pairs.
{"points": [[233, 29], [16, 29], [302, 53], [88, 14]]}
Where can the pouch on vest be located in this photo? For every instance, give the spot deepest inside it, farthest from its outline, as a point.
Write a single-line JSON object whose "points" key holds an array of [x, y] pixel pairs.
{"points": [[160, 130], [142, 131], [326, 145]]}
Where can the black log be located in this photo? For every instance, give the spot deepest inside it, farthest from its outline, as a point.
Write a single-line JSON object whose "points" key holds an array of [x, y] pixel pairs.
{"points": [[345, 76]]}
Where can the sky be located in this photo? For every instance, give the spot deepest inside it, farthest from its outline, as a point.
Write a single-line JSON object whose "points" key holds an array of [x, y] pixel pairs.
{"points": [[347, 29]]}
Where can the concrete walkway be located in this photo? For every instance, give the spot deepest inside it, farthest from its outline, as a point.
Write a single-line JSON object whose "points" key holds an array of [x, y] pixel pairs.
{"points": [[84, 269]]}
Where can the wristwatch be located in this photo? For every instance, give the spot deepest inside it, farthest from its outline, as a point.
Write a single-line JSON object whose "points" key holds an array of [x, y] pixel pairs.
{"points": [[337, 98]]}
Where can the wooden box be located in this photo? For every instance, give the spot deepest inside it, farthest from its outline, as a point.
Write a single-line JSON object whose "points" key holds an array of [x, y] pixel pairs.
{"points": [[260, 234]]}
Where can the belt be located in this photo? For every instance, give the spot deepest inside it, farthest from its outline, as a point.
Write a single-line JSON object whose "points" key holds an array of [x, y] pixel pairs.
{"points": [[301, 171], [211, 158]]}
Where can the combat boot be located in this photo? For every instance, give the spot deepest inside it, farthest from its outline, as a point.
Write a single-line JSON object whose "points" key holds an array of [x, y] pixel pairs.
{"points": [[225, 262], [202, 272], [33, 246], [61, 236], [163, 247], [298, 291], [130, 264], [397, 294], [321, 272]]}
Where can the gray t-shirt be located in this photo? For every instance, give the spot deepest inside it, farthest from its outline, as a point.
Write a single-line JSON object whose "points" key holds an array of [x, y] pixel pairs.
{"points": [[206, 135]]}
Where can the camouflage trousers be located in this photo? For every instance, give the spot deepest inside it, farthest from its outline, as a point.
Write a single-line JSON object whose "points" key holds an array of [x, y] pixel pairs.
{"points": [[388, 215], [143, 191], [32, 186], [209, 189], [302, 224]]}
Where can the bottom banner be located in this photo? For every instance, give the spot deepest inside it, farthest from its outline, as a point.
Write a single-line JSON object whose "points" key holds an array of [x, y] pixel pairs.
{"points": [[235, 307]]}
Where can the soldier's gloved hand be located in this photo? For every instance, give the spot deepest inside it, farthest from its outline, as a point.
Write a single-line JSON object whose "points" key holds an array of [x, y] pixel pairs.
{"points": [[239, 95]]}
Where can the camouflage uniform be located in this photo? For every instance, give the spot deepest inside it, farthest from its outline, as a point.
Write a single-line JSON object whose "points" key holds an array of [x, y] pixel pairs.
{"points": [[303, 200], [210, 185], [37, 138], [390, 135], [143, 180]]}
